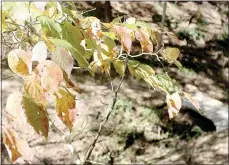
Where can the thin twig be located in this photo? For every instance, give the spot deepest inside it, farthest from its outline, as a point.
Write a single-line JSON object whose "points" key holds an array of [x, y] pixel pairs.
{"points": [[101, 126]]}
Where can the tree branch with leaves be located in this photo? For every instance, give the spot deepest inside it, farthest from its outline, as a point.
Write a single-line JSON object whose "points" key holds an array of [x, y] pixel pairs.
{"points": [[51, 37]]}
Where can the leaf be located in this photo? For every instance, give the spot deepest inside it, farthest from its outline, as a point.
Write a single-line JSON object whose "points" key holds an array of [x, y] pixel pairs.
{"points": [[119, 66], [117, 20], [73, 35], [20, 62], [173, 37], [40, 5], [174, 104], [140, 70], [110, 35], [36, 116], [125, 37], [71, 85], [50, 74], [20, 12], [75, 53], [51, 47], [3, 18], [65, 108], [171, 54], [50, 11], [39, 52], [131, 20], [64, 59], [53, 27], [16, 147], [132, 66], [14, 107], [155, 37], [147, 69], [193, 101], [144, 37], [33, 89]]}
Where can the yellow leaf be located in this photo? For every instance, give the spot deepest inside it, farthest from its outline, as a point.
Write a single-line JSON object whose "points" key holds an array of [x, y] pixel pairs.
{"points": [[171, 54], [65, 108], [20, 62], [50, 11], [33, 88]]}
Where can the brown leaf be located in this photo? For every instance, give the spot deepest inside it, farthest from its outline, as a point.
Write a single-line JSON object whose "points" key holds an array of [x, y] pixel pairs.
{"points": [[173, 37], [70, 84], [16, 147], [125, 37], [144, 37]]}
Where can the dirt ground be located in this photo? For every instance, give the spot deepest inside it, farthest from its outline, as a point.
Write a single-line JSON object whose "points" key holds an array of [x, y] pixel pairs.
{"points": [[135, 132]]}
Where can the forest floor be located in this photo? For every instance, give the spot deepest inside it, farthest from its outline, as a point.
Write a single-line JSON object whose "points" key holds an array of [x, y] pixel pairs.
{"points": [[136, 132]]}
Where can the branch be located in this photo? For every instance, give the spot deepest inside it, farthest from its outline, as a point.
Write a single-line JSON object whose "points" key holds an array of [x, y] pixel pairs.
{"points": [[101, 126], [162, 24]]}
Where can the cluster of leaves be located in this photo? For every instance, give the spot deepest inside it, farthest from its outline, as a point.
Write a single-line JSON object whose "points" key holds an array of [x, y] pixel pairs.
{"points": [[58, 30]]}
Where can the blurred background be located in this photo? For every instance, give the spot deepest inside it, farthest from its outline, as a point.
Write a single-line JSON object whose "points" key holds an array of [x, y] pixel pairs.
{"points": [[139, 130]]}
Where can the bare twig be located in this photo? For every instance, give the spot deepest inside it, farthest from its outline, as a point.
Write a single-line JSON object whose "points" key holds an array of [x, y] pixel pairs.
{"points": [[101, 126], [162, 25]]}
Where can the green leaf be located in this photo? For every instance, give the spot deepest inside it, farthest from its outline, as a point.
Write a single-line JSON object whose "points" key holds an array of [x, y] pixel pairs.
{"points": [[80, 58], [110, 35], [119, 66], [36, 116], [117, 20], [73, 35], [53, 27], [109, 42], [147, 69], [130, 26]]}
